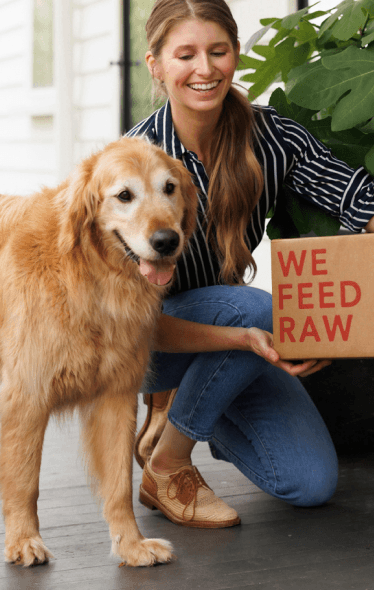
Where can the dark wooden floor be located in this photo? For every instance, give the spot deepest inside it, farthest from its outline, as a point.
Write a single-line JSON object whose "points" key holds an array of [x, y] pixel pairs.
{"points": [[277, 547]]}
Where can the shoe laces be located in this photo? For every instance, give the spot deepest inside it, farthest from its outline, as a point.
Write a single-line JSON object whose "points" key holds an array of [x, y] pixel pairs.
{"points": [[187, 481]]}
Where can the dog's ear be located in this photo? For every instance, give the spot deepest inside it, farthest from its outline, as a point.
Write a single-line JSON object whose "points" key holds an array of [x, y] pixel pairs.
{"points": [[79, 204], [189, 192]]}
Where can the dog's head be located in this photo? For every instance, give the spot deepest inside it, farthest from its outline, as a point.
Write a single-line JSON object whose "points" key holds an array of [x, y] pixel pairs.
{"points": [[133, 197]]}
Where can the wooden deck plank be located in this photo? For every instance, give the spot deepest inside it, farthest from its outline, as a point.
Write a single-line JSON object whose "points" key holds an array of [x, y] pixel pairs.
{"points": [[277, 546]]}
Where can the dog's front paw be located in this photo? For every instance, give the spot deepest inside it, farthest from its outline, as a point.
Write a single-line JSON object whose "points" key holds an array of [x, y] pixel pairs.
{"points": [[27, 551], [143, 552]]}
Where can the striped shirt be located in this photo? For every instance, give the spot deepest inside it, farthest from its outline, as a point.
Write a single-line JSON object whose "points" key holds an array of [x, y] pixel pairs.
{"points": [[289, 155]]}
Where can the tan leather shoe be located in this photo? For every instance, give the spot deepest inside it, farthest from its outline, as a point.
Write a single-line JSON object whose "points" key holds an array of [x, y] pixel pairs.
{"points": [[186, 499], [159, 405]]}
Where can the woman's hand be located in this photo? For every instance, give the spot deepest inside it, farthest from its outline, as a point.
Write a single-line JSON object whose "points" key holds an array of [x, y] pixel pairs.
{"points": [[261, 343]]}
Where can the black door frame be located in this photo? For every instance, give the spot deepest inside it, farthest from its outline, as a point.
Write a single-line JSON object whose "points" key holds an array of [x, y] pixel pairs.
{"points": [[126, 122]]}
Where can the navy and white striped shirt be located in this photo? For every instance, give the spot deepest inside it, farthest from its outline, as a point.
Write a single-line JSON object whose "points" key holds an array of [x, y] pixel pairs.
{"points": [[289, 155]]}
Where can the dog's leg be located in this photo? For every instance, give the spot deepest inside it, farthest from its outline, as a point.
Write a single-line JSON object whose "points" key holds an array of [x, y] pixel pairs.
{"points": [[22, 434], [108, 437]]}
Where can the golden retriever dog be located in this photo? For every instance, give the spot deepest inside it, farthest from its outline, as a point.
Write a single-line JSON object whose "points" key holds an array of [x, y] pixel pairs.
{"points": [[83, 269]]}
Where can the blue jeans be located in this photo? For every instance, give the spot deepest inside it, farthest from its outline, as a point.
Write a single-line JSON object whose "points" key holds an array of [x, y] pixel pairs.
{"points": [[253, 414]]}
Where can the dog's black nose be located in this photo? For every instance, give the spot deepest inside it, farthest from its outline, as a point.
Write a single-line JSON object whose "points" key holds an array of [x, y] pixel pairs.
{"points": [[165, 241]]}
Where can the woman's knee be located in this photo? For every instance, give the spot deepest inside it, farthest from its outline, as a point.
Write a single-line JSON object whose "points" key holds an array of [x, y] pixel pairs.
{"points": [[315, 485], [250, 307], [260, 303], [224, 305]]}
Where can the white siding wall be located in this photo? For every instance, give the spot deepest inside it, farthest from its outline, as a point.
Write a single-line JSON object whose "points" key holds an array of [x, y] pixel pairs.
{"points": [[31, 132], [29, 152], [26, 140], [248, 13], [96, 30]]}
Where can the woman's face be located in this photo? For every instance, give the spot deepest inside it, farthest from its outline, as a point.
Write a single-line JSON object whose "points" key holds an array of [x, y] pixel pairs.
{"points": [[197, 64]]}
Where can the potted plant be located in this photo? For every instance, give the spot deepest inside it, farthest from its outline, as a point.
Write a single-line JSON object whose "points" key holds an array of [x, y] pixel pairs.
{"points": [[328, 76], [327, 71]]}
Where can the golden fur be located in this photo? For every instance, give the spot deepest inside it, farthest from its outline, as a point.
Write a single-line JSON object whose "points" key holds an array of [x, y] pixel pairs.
{"points": [[76, 324]]}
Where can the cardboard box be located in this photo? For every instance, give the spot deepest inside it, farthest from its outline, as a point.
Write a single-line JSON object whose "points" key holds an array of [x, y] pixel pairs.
{"points": [[323, 297]]}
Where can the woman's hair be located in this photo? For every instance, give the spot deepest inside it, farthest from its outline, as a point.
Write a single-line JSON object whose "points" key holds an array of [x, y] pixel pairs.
{"points": [[236, 178]]}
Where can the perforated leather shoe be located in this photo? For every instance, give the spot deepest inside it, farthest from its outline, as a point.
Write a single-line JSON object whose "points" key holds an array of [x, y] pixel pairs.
{"points": [[158, 405], [186, 499]]}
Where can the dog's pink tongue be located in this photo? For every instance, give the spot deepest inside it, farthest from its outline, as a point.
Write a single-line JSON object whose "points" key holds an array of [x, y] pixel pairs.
{"points": [[154, 275]]}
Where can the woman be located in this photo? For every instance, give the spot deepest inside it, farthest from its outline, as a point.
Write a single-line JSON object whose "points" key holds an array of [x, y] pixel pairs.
{"points": [[213, 341]]}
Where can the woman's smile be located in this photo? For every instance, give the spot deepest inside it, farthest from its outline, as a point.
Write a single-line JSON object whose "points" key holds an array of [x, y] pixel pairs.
{"points": [[204, 88], [197, 65]]}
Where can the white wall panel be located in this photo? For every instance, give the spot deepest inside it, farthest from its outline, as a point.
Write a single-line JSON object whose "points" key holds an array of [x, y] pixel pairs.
{"points": [[12, 100], [96, 84], [94, 90], [25, 183], [12, 72], [12, 15], [28, 143], [94, 55], [93, 20], [248, 13], [30, 157], [80, 3], [12, 43], [93, 125], [14, 128]]}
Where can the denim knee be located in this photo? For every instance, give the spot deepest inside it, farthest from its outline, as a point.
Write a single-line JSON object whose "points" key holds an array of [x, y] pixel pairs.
{"points": [[223, 305], [262, 302], [247, 307], [313, 487]]}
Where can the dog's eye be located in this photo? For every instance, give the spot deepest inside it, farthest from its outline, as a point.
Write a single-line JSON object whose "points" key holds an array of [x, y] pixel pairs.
{"points": [[125, 197], [169, 188]]}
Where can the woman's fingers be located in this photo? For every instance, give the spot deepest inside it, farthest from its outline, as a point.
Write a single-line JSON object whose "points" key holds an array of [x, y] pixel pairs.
{"points": [[262, 344], [303, 369], [317, 367]]}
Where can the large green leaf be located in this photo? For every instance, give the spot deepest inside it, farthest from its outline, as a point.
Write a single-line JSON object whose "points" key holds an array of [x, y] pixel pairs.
{"points": [[313, 15], [305, 33], [289, 109], [349, 72], [310, 218], [281, 225], [305, 71], [349, 17], [295, 216], [368, 36], [317, 87], [279, 60], [292, 20], [357, 67], [256, 37], [351, 146], [369, 160], [369, 5], [247, 62]]}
